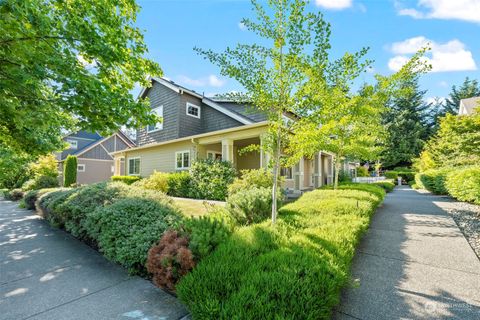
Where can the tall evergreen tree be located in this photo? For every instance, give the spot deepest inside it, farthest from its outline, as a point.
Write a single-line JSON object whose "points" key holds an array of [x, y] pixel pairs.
{"points": [[468, 89], [406, 121]]}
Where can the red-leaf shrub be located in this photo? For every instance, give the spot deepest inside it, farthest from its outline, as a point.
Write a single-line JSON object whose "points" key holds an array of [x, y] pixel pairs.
{"points": [[170, 260]]}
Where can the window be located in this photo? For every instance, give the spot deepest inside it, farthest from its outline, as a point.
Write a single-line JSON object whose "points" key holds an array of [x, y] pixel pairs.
{"points": [[286, 172], [134, 166], [72, 144], [193, 110], [112, 169], [214, 155], [159, 125], [81, 168], [182, 160]]}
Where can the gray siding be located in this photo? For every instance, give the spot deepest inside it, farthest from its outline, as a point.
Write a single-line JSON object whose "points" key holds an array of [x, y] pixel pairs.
{"points": [[215, 120], [160, 95], [96, 153], [121, 145], [109, 144], [81, 143], [246, 111], [189, 125]]}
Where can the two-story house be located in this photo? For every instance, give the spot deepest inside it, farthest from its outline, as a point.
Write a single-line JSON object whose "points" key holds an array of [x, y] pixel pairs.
{"points": [[197, 127], [94, 160]]}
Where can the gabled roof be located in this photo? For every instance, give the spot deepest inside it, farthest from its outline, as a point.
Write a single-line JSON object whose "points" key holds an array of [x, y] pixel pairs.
{"points": [[209, 102], [83, 134], [467, 106]]}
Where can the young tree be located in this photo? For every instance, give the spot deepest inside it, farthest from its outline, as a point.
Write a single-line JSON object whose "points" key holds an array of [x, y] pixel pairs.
{"points": [[273, 74], [66, 64], [406, 123], [468, 89], [70, 171]]}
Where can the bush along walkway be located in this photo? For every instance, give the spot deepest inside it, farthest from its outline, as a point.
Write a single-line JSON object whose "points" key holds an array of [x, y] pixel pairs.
{"points": [[47, 274], [413, 263]]}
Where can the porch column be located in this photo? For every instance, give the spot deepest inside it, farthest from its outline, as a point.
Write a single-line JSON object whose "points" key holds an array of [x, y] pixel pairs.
{"points": [[298, 174], [227, 150], [317, 170]]}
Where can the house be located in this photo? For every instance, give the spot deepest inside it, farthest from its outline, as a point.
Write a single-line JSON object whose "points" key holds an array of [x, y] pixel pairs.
{"points": [[197, 127], [94, 159], [467, 106]]}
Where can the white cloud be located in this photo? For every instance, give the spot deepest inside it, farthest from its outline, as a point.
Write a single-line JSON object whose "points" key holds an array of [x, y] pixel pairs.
{"points": [[334, 4], [211, 80], [443, 84], [449, 56], [242, 26], [467, 10]]}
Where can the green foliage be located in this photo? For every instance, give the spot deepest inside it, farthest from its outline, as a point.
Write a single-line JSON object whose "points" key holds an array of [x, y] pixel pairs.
{"points": [[69, 64], [128, 228], [464, 184], [40, 182], [205, 234], [386, 185], [14, 195], [157, 181], [251, 205], [362, 172], [210, 179], [344, 176], [293, 270], [70, 171], [45, 166], [391, 175], [32, 196], [260, 178], [179, 184], [126, 179], [407, 175], [14, 168], [468, 89], [433, 180], [403, 169]]}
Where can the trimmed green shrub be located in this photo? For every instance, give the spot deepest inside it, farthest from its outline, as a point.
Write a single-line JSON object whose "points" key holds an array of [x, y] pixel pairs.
{"points": [[211, 178], [407, 175], [128, 228], [387, 186], [433, 180], [3, 192], [205, 234], [376, 193], [464, 184], [362, 172], [260, 178], [391, 175], [403, 169], [48, 203], [179, 184], [250, 205], [293, 270], [32, 196], [70, 171], [40, 182], [125, 179], [344, 176], [158, 181], [14, 195]]}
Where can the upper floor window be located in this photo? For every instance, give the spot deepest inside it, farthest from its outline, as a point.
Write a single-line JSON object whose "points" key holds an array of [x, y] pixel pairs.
{"points": [[182, 160], [193, 110], [159, 125], [134, 166], [72, 144]]}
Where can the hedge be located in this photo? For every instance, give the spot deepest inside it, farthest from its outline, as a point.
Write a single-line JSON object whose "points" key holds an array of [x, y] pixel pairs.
{"points": [[125, 179], [464, 184], [386, 185], [294, 270], [433, 180], [32, 196]]}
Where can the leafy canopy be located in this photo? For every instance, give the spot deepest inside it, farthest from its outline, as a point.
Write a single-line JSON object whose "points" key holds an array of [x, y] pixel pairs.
{"points": [[68, 64]]}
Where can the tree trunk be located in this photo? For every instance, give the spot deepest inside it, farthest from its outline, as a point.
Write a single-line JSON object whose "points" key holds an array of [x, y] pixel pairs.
{"points": [[276, 165]]}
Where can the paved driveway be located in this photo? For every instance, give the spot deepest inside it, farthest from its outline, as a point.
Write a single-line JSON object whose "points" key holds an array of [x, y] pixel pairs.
{"points": [[414, 263], [47, 274]]}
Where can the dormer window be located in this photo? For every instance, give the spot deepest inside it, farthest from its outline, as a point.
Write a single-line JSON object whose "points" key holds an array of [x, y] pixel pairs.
{"points": [[159, 125], [72, 144], [193, 110]]}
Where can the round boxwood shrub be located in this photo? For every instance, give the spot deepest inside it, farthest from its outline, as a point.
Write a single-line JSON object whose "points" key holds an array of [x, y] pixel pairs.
{"points": [[464, 184], [127, 229], [179, 184], [250, 205], [157, 181], [211, 178], [391, 175]]}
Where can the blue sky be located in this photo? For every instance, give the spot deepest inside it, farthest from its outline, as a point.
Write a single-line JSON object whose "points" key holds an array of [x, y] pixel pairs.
{"points": [[392, 29]]}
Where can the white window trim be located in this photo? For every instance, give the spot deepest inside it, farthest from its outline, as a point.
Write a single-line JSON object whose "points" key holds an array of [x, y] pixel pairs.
{"points": [[195, 106], [81, 165], [189, 160], [71, 142], [128, 166], [158, 123], [212, 152]]}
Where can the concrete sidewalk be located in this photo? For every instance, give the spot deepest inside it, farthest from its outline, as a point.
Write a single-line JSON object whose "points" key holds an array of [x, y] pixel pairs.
{"points": [[47, 274], [413, 263]]}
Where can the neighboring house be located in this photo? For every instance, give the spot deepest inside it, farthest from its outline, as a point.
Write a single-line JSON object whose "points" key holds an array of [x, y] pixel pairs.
{"points": [[468, 106], [196, 127], [95, 162]]}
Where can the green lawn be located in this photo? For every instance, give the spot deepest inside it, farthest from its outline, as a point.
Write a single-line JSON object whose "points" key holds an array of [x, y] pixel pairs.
{"points": [[195, 208]]}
